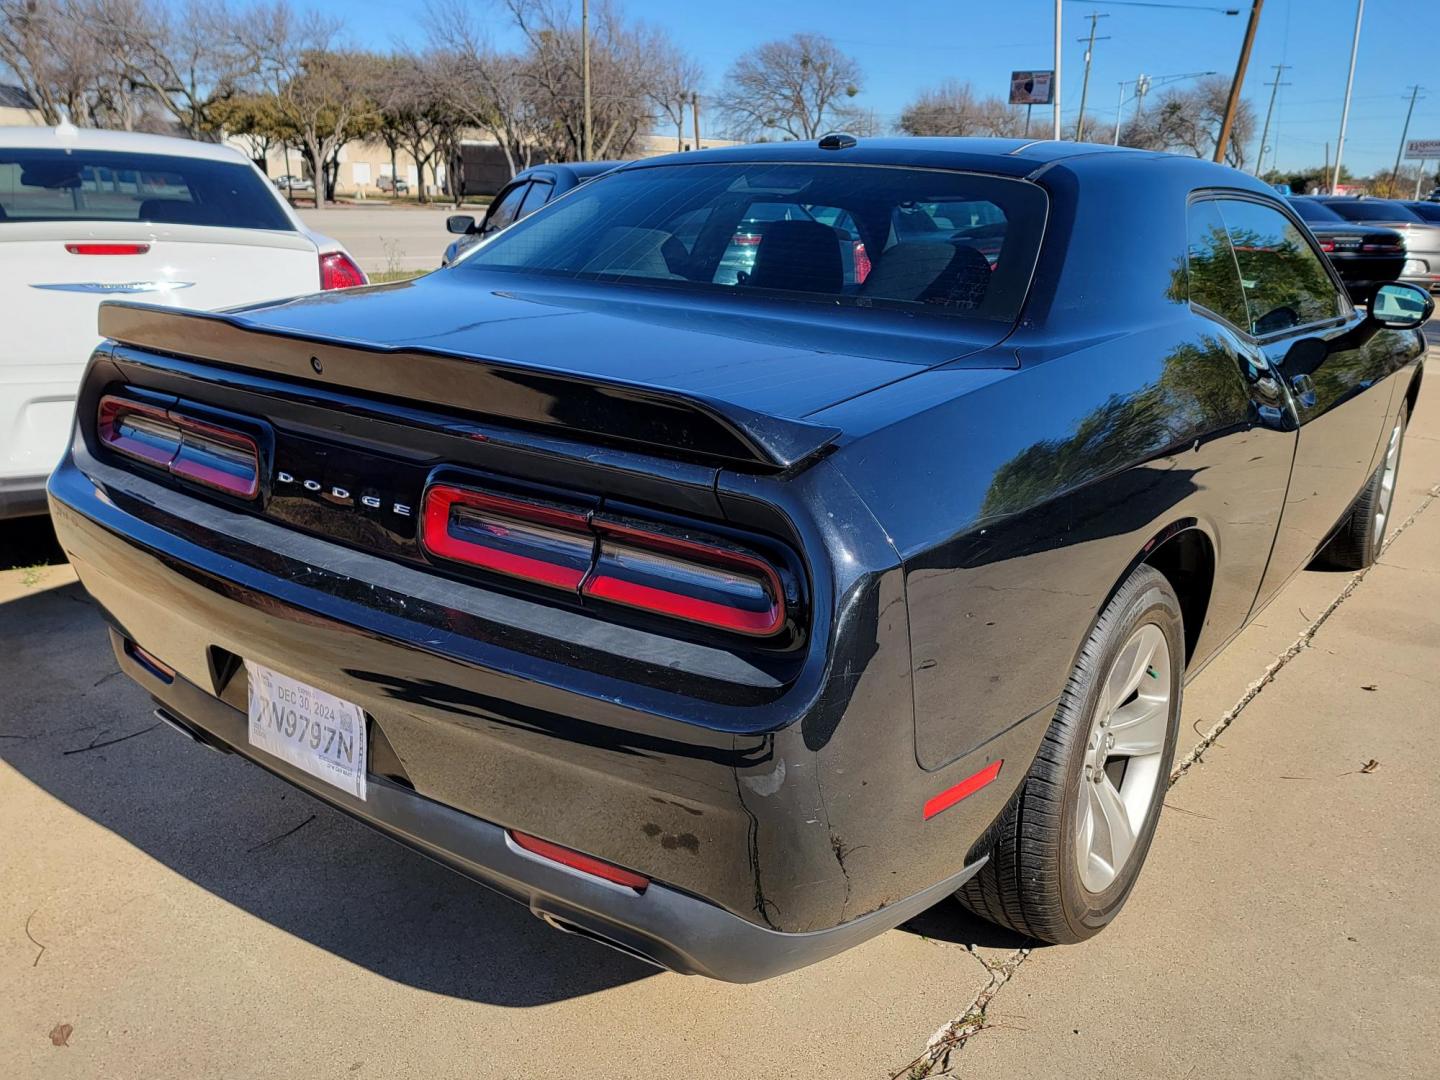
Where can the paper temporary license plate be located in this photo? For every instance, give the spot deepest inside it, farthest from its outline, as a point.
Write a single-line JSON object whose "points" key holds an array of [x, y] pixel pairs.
{"points": [[312, 730]]}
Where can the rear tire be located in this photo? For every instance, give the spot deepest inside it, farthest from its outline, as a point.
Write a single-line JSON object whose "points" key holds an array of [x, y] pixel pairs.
{"points": [[1359, 541], [1047, 877]]}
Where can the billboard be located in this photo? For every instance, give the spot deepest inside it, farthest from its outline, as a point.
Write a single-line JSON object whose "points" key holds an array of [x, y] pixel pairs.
{"points": [[1422, 150], [1031, 87]]}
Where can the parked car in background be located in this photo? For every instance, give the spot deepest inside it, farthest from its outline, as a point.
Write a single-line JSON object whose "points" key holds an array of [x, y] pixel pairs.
{"points": [[290, 183], [1366, 256], [394, 185], [731, 624], [531, 189], [89, 215], [1427, 209], [1422, 238]]}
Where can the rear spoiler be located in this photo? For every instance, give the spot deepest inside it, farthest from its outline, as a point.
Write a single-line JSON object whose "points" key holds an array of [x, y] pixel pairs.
{"points": [[633, 414]]}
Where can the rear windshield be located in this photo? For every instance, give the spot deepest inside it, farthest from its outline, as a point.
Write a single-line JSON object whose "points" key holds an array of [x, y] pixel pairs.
{"points": [[948, 242], [1430, 211], [1373, 210], [79, 185], [1314, 212]]}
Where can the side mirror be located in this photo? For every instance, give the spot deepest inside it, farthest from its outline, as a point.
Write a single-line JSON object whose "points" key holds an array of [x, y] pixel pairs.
{"points": [[460, 224], [1398, 306]]}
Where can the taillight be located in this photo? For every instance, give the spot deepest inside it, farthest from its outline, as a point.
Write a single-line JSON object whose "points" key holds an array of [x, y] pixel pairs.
{"points": [[699, 583], [578, 860], [338, 271], [862, 263], [522, 540], [1327, 246], [107, 249], [747, 239], [192, 449], [1384, 249], [628, 564]]}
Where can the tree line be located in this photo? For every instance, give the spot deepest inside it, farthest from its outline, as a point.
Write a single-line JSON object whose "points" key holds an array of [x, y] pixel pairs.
{"points": [[280, 78]]}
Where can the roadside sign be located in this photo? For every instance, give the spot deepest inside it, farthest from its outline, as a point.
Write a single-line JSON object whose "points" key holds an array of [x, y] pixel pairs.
{"points": [[1422, 150], [1031, 87]]}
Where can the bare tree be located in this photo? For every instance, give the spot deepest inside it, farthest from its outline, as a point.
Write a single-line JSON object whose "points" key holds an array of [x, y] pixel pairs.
{"points": [[414, 111], [49, 48], [953, 108], [674, 78], [793, 87], [187, 58], [1188, 121], [483, 88]]}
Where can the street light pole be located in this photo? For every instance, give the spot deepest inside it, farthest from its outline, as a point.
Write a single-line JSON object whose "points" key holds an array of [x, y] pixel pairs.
{"points": [[1094, 18], [585, 142], [1222, 141], [1055, 83], [1404, 134], [1349, 86]]}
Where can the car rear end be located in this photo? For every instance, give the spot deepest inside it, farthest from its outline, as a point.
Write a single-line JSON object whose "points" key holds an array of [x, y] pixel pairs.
{"points": [[80, 225], [599, 623]]}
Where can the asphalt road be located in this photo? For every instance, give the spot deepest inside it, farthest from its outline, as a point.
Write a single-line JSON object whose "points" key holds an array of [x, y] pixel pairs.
{"points": [[169, 912], [387, 238]]}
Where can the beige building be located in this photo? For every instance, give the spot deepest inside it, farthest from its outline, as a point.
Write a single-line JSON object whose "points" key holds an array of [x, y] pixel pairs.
{"points": [[16, 108]]}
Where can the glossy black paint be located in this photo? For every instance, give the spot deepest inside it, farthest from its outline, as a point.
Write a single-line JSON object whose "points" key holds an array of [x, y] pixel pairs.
{"points": [[978, 497]]}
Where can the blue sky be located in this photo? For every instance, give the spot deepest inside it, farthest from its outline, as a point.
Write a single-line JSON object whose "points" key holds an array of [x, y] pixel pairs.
{"points": [[906, 45]]}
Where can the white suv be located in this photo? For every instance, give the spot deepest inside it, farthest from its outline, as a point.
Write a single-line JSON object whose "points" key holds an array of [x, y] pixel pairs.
{"points": [[92, 215]]}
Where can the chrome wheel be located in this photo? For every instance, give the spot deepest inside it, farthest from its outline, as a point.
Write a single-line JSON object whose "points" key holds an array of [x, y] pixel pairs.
{"points": [[1387, 483], [1122, 756]]}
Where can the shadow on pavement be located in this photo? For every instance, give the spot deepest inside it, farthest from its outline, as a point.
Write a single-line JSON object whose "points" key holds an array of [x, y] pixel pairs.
{"points": [[29, 541], [77, 728], [951, 922]]}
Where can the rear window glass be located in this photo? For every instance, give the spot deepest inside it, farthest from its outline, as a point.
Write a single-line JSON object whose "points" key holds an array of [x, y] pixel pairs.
{"points": [[58, 185], [1314, 212], [1373, 210], [948, 242], [1429, 211]]}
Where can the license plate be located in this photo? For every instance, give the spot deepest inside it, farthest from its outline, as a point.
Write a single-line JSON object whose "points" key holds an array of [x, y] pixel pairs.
{"points": [[312, 730]]}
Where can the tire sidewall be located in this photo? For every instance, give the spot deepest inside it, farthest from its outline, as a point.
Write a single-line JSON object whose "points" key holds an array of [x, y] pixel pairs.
{"points": [[1086, 912]]}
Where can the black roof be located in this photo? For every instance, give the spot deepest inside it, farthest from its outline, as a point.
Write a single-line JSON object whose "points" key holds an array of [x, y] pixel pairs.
{"points": [[14, 97]]}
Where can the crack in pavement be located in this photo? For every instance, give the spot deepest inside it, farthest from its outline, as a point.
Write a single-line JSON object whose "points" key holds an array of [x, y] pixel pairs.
{"points": [[953, 1036]]}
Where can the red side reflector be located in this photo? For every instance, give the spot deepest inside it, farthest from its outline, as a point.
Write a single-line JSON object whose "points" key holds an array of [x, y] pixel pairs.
{"points": [[150, 662], [576, 860], [107, 249], [967, 787]]}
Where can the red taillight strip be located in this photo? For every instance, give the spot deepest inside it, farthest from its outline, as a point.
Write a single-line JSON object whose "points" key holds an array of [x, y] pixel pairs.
{"points": [[967, 787], [107, 249], [577, 860], [437, 538], [112, 411]]}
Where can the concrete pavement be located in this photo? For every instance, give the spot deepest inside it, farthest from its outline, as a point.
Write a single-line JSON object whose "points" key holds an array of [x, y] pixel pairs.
{"points": [[185, 914]]}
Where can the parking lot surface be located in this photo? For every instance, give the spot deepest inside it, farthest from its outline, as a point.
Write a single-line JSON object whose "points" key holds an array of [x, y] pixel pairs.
{"points": [[385, 238], [171, 912]]}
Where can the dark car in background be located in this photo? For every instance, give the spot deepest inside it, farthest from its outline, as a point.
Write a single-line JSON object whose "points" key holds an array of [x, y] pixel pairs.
{"points": [[526, 193], [1429, 209], [1366, 256], [1422, 237], [731, 623]]}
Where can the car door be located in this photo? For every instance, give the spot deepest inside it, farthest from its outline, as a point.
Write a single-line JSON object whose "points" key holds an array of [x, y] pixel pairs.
{"points": [[1330, 363]]}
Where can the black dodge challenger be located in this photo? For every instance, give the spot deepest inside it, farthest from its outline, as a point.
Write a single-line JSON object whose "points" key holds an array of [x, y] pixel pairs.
{"points": [[732, 617]]}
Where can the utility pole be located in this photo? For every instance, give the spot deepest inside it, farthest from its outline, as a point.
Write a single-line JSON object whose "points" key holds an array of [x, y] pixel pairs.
{"points": [[1094, 18], [1055, 83], [1327, 165], [1419, 176], [1222, 141], [1119, 112], [585, 141], [1269, 112], [1349, 86], [695, 113], [1405, 132]]}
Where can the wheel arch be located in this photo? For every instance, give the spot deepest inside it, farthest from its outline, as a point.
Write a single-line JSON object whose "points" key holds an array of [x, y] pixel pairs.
{"points": [[1412, 395], [1184, 553]]}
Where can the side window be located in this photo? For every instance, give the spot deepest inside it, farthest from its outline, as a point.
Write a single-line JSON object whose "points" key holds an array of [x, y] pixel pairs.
{"points": [[1214, 279], [538, 196], [1286, 284], [505, 209]]}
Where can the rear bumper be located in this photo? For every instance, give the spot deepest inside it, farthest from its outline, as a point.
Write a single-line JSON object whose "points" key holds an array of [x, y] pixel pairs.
{"points": [[662, 925], [765, 847], [22, 496]]}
